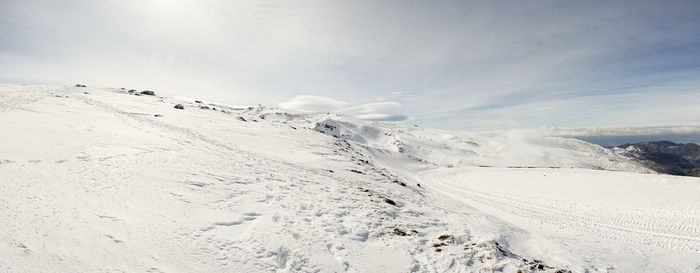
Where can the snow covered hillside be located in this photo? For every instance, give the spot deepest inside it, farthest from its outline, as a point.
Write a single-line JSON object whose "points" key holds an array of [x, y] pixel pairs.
{"points": [[103, 180]]}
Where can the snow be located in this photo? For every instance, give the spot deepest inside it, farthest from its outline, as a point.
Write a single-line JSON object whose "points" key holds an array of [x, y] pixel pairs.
{"points": [[652, 214], [92, 181]]}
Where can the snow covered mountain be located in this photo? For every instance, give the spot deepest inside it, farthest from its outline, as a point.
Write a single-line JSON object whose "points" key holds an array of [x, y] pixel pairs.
{"points": [[101, 180]]}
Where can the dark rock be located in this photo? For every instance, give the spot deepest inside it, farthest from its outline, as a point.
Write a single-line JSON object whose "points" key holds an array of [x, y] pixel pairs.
{"points": [[179, 106], [400, 232], [198, 101], [389, 201], [444, 237], [80, 85], [439, 244], [148, 93]]}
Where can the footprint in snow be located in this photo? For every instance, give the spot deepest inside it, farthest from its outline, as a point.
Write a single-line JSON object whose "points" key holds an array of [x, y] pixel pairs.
{"points": [[228, 224], [361, 236], [113, 239], [281, 256], [248, 216], [24, 248]]}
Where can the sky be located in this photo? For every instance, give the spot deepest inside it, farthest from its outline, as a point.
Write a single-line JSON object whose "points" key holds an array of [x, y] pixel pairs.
{"points": [[472, 65]]}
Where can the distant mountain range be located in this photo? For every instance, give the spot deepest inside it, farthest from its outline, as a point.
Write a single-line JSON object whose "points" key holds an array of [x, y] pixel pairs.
{"points": [[666, 157]]}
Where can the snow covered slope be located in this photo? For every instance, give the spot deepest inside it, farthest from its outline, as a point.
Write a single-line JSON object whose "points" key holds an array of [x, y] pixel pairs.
{"points": [[440, 148], [97, 180]]}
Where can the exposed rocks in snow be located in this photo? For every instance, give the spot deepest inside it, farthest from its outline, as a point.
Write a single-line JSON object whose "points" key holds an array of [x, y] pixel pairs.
{"points": [[396, 181], [179, 106], [444, 240], [400, 232], [80, 85], [389, 201], [148, 93], [489, 256], [445, 237], [380, 196], [327, 129]]}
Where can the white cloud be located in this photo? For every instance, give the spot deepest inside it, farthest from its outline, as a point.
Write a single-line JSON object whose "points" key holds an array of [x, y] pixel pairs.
{"points": [[625, 131], [374, 107], [378, 111], [384, 117], [308, 103]]}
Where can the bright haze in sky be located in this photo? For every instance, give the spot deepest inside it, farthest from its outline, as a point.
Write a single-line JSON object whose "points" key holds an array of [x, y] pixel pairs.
{"points": [[477, 65]]}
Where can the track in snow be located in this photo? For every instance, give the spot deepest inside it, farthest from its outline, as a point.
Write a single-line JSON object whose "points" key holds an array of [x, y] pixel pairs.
{"points": [[673, 227]]}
